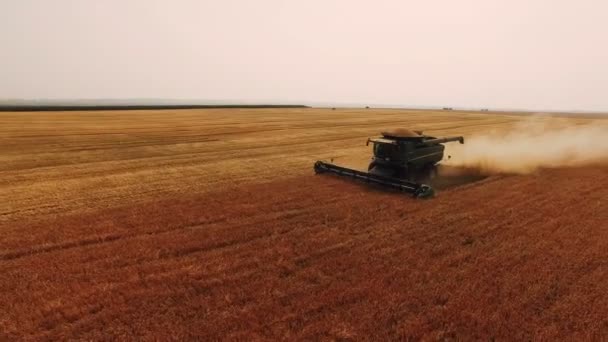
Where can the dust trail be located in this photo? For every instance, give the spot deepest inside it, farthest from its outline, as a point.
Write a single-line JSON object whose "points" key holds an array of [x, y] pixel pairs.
{"points": [[533, 144]]}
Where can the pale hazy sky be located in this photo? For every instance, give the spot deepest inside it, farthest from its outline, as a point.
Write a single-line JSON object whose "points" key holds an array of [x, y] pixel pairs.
{"points": [[534, 54]]}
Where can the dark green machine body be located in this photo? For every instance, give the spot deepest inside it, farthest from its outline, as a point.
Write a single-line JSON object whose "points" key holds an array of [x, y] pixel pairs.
{"points": [[413, 158], [403, 161]]}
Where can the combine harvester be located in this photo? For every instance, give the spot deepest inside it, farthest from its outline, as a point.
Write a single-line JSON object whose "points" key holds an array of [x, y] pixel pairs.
{"points": [[403, 160]]}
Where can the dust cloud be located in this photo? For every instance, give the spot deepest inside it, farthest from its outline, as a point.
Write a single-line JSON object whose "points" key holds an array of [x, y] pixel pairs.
{"points": [[533, 144]]}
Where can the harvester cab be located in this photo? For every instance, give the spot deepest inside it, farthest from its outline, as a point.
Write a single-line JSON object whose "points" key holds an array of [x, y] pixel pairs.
{"points": [[404, 160]]}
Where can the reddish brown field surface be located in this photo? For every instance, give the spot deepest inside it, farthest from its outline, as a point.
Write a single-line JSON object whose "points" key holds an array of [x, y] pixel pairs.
{"points": [[296, 256]]}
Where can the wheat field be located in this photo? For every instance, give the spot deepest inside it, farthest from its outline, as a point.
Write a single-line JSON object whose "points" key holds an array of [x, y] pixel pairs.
{"points": [[211, 225]]}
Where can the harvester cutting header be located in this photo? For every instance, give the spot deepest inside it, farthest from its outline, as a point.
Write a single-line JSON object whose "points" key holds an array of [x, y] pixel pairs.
{"points": [[402, 159]]}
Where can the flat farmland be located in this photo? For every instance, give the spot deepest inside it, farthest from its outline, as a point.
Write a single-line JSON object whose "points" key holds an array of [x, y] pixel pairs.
{"points": [[209, 224]]}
